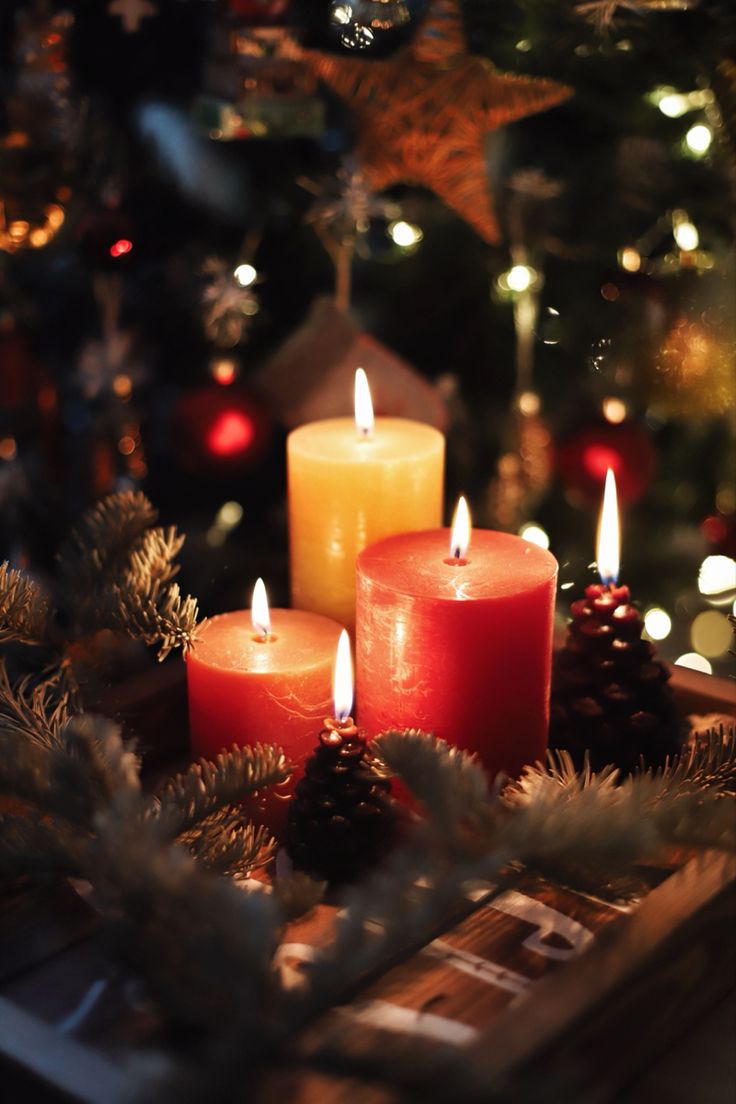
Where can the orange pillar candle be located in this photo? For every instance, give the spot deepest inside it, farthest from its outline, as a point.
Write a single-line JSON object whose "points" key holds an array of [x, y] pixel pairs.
{"points": [[352, 482], [455, 638], [260, 676]]}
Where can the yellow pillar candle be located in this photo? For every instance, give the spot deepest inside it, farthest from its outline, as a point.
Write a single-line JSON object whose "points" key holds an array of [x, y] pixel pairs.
{"points": [[353, 482]]}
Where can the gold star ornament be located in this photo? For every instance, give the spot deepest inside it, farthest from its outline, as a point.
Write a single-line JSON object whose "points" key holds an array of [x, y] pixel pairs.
{"points": [[422, 116]]}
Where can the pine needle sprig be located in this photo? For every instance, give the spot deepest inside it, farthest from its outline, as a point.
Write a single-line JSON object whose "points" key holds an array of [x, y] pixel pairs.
{"points": [[106, 767], [24, 610], [226, 843], [146, 609], [35, 713], [207, 787], [117, 571], [35, 844], [707, 762], [98, 549], [204, 946], [452, 786]]}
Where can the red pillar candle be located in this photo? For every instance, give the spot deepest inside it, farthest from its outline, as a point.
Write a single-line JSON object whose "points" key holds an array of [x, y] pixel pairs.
{"points": [[459, 645], [261, 677]]}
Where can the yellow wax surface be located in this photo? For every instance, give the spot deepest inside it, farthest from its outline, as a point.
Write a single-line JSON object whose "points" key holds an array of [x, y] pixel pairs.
{"points": [[347, 491]]}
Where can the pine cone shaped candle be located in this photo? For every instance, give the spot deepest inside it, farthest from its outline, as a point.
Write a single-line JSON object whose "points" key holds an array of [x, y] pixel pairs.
{"points": [[610, 697], [341, 818]]}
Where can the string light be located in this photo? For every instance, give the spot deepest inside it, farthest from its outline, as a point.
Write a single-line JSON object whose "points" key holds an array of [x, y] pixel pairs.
{"points": [[717, 579], [685, 233], [405, 234], [535, 534], [630, 259], [245, 275], [657, 623], [710, 633], [673, 105], [695, 662], [614, 410], [520, 277], [698, 139]]}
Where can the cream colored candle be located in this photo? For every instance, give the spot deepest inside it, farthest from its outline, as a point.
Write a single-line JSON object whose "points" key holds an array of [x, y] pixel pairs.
{"points": [[353, 482]]}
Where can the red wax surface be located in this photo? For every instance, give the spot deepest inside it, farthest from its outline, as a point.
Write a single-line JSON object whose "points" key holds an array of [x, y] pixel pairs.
{"points": [[244, 690], [461, 651]]}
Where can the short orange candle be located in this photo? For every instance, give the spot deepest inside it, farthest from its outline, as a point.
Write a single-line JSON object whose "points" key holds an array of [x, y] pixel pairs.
{"points": [[261, 677]]}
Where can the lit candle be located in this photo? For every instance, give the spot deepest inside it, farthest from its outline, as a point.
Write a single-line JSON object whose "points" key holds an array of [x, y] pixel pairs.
{"points": [[260, 676], [610, 699], [454, 636], [341, 819], [352, 482]]}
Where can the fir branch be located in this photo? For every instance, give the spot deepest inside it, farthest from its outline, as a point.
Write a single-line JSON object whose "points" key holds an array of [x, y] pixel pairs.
{"points": [[226, 843], [451, 785], [24, 611], [707, 762], [33, 844], [105, 767], [98, 550], [208, 786], [33, 713], [147, 610], [117, 572], [204, 946]]}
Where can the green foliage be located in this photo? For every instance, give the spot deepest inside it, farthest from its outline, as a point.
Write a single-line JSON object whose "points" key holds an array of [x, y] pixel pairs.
{"points": [[117, 571]]}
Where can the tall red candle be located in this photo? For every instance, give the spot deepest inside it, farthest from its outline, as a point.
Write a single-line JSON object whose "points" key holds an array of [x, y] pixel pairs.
{"points": [[262, 681], [459, 645]]}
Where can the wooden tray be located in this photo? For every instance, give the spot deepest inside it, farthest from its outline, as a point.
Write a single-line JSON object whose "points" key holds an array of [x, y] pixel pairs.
{"points": [[539, 978]]}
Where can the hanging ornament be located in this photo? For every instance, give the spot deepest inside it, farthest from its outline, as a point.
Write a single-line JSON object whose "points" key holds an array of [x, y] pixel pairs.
{"points": [[342, 216], [524, 469], [604, 13], [423, 116], [693, 374], [219, 431], [254, 87], [260, 11], [626, 448], [311, 375], [229, 302], [132, 13]]}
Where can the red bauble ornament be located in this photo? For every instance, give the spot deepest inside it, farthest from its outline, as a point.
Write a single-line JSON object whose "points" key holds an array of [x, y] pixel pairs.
{"points": [[259, 11], [582, 460], [219, 431]]}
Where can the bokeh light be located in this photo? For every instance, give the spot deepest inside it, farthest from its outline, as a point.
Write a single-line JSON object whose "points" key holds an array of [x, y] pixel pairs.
{"points": [[699, 138], [535, 534], [695, 662], [717, 579], [658, 623], [711, 634]]}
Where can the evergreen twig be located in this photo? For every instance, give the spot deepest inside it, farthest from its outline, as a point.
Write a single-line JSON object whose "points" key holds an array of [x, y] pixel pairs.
{"points": [[117, 570], [24, 611], [33, 713], [206, 786], [226, 843]]}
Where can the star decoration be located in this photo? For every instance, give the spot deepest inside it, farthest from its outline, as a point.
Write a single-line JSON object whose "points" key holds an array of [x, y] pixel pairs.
{"points": [[423, 115], [131, 12]]}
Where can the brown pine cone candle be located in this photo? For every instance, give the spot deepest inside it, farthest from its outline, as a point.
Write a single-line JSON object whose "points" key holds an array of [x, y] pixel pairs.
{"points": [[610, 696], [341, 819]]}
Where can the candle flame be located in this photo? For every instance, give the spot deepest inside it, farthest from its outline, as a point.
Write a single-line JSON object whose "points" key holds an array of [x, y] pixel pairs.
{"points": [[363, 405], [342, 681], [461, 529], [259, 611], [608, 546]]}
